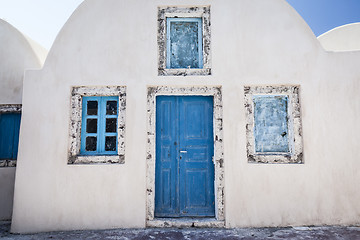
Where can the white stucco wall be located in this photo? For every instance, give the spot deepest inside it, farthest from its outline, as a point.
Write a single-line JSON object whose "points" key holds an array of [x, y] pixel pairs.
{"points": [[17, 53], [343, 38], [254, 42], [7, 180]]}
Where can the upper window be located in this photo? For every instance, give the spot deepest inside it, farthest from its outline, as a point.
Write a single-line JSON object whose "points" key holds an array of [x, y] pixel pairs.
{"points": [[99, 124], [184, 41], [97, 127], [273, 124], [10, 117]]}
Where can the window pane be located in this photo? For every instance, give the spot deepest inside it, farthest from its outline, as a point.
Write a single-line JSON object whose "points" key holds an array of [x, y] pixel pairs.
{"points": [[110, 143], [91, 125], [184, 44], [271, 124], [92, 107], [111, 125], [111, 107], [90, 143]]}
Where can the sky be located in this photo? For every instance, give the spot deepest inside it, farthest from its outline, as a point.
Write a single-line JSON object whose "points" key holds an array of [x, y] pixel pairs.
{"points": [[42, 20]]}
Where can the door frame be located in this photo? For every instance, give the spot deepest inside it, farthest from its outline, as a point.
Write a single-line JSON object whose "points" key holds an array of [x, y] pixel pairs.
{"points": [[216, 93]]}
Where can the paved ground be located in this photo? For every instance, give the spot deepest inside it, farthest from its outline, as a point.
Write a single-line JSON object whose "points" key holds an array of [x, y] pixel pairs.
{"points": [[301, 233]]}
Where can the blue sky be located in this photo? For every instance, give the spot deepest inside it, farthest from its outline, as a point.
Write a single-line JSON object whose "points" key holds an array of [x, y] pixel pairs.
{"points": [[42, 19], [324, 15]]}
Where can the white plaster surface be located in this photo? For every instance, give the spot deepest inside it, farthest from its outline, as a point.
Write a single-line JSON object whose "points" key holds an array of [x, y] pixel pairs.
{"points": [[114, 42], [17, 53], [7, 180], [343, 38]]}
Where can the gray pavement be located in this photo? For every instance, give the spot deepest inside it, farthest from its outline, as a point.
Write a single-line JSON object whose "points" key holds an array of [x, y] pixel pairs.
{"points": [[327, 232]]}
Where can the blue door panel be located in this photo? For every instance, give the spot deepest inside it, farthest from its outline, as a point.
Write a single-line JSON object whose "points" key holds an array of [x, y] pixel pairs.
{"points": [[184, 150], [166, 168], [9, 135], [196, 188]]}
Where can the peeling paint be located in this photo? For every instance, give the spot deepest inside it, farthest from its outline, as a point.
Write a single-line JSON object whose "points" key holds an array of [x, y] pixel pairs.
{"points": [[75, 124], [178, 12], [295, 154], [10, 108], [219, 162]]}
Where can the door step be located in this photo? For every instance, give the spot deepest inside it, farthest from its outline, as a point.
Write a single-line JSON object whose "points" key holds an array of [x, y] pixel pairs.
{"points": [[185, 223]]}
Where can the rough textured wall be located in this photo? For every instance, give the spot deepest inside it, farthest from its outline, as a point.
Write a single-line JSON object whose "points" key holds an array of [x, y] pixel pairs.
{"points": [[269, 45], [16, 55]]}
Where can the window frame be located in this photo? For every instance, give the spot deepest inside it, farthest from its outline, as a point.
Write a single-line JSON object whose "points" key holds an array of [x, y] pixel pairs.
{"points": [[101, 118], [165, 12], [4, 109], [295, 154], [169, 20], [77, 94]]}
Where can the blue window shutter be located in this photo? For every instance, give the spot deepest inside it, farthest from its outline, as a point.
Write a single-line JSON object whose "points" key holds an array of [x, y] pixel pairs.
{"points": [[184, 43], [99, 126], [271, 123], [9, 135]]}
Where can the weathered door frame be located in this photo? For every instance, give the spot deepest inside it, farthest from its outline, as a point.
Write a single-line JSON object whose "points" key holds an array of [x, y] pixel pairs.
{"points": [[214, 91]]}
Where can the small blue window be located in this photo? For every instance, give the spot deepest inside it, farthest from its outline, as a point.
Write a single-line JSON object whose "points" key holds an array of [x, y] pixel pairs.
{"points": [[9, 135], [184, 43], [271, 124], [99, 126]]}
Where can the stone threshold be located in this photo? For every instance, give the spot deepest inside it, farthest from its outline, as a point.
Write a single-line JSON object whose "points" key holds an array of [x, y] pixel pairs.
{"points": [[185, 223]]}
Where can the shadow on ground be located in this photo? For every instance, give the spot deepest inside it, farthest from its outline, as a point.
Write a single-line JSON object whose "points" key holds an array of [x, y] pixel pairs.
{"points": [[328, 232]]}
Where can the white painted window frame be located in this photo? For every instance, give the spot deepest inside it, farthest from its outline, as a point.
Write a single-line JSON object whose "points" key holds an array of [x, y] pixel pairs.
{"points": [[75, 124], [295, 155], [202, 12]]}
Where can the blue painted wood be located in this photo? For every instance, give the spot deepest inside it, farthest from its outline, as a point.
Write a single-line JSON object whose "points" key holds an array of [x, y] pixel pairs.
{"points": [[9, 135], [184, 43], [184, 180], [94, 125], [271, 123]]}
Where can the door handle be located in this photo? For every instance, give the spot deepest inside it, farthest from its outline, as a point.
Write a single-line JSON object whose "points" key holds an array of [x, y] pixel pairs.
{"points": [[183, 151]]}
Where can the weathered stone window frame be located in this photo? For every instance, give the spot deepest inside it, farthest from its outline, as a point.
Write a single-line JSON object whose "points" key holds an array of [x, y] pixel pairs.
{"points": [[295, 154], [75, 124], [219, 184], [184, 12], [9, 108]]}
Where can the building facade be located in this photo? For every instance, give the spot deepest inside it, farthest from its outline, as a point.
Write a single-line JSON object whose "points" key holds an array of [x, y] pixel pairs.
{"points": [[17, 53], [188, 113]]}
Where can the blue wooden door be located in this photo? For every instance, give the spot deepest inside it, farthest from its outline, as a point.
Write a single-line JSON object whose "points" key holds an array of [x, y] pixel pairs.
{"points": [[184, 173], [9, 135]]}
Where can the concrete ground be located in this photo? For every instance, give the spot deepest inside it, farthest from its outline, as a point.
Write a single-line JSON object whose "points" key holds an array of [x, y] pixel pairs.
{"points": [[300, 233]]}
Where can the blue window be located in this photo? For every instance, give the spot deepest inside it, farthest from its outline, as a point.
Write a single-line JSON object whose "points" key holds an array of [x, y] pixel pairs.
{"points": [[184, 43], [99, 126], [271, 123], [9, 135]]}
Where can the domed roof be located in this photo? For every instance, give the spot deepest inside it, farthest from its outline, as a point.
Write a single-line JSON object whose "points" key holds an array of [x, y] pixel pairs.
{"points": [[17, 53], [119, 35], [343, 38]]}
